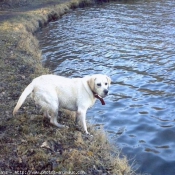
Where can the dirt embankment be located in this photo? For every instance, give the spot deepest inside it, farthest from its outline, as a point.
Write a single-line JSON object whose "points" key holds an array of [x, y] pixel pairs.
{"points": [[28, 143]]}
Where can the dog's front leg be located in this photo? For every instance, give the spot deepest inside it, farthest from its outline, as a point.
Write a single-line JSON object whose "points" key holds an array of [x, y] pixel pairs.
{"points": [[81, 115]]}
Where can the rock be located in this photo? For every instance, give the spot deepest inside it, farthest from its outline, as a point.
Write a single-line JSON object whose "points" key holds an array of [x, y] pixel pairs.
{"points": [[52, 145]]}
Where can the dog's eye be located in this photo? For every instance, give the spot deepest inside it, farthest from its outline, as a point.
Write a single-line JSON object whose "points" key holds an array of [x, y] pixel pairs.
{"points": [[106, 83], [99, 84]]}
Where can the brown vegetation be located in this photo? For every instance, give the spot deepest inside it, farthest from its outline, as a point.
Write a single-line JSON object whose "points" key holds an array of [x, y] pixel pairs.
{"points": [[28, 143]]}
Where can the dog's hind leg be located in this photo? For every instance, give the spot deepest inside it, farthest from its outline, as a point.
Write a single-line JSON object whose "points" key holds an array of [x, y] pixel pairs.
{"points": [[50, 106], [53, 118], [46, 114]]}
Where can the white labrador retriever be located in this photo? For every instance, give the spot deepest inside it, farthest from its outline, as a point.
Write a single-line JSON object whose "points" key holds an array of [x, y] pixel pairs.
{"points": [[52, 92]]}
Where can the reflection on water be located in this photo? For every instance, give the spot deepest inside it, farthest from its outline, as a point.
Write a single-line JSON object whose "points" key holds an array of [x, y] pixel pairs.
{"points": [[134, 43]]}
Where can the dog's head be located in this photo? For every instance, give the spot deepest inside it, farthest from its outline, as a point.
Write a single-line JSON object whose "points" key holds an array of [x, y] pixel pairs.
{"points": [[99, 84]]}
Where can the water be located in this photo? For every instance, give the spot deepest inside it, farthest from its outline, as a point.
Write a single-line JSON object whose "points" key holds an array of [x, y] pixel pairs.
{"points": [[134, 44]]}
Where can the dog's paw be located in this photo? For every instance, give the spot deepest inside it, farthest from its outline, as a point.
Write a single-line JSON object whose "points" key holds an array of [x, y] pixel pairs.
{"points": [[62, 126], [58, 125], [65, 126], [89, 135]]}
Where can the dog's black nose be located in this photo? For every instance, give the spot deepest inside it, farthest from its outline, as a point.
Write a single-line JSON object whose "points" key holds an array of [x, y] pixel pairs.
{"points": [[105, 91]]}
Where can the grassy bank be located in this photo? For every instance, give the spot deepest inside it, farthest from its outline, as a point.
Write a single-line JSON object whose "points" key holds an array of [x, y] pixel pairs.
{"points": [[28, 143]]}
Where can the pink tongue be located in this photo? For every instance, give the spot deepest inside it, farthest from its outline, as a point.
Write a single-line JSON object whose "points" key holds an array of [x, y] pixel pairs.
{"points": [[101, 99]]}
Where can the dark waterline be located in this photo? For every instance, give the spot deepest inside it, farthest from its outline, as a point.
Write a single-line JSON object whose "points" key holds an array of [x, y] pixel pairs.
{"points": [[134, 43]]}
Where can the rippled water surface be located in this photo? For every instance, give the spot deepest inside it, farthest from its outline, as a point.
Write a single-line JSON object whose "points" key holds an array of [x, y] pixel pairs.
{"points": [[134, 43]]}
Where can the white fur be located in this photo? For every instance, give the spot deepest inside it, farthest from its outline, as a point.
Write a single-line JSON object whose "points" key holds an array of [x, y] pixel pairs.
{"points": [[52, 92]]}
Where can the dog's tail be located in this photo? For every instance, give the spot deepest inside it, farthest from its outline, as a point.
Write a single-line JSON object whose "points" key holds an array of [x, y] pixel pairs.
{"points": [[23, 96]]}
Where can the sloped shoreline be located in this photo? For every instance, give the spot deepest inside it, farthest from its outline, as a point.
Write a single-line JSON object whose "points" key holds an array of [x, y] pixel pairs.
{"points": [[28, 143]]}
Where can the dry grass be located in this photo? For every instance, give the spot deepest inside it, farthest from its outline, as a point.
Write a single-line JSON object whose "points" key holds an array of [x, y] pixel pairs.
{"points": [[28, 142]]}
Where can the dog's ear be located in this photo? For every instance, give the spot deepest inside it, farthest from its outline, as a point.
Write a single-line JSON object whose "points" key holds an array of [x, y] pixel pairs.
{"points": [[91, 83], [109, 80]]}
